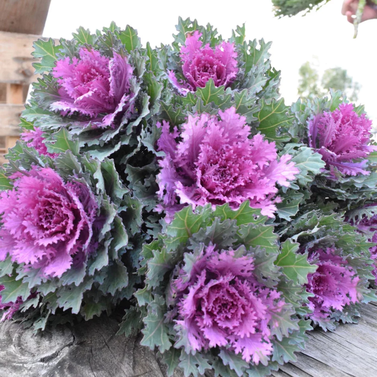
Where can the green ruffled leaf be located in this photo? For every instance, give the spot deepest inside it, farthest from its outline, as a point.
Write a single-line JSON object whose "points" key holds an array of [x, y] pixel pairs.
{"points": [[131, 322], [83, 36], [155, 331], [46, 51], [239, 35], [116, 278], [62, 141], [309, 163], [5, 183], [6, 267], [284, 351], [159, 265], [290, 205], [13, 289], [273, 116], [234, 361], [192, 364], [294, 265], [222, 234], [185, 224], [130, 38], [93, 309], [70, 297], [171, 359], [244, 215], [246, 105], [259, 236], [209, 94], [286, 324]]}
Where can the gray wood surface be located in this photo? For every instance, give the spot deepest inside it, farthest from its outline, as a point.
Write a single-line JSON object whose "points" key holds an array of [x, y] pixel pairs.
{"points": [[91, 349]]}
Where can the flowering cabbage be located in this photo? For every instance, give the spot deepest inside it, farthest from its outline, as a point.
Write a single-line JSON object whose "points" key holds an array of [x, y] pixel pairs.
{"points": [[34, 139], [334, 284], [222, 304], [94, 86], [46, 224], [341, 137], [215, 162], [199, 64]]}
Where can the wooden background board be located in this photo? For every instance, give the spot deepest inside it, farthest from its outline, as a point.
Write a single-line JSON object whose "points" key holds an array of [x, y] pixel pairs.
{"points": [[10, 119], [23, 16], [16, 59], [91, 349]]}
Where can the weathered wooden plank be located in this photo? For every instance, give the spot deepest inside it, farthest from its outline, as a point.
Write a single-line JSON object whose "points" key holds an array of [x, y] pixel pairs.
{"points": [[15, 94], [23, 16], [91, 349], [87, 349], [16, 59], [349, 351], [10, 119]]}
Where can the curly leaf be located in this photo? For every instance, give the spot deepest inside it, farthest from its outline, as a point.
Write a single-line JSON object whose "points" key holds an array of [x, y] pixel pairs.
{"points": [[244, 215], [46, 51], [155, 331], [61, 142], [271, 117], [185, 224], [295, 266], [13, 289]]}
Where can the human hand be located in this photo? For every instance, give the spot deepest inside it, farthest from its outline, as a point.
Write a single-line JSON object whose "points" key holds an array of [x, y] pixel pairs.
{"points": [[349, 9]]}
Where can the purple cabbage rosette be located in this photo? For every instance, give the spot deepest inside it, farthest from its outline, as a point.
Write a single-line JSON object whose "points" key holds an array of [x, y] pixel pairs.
{"points": [[47, 225], [91, 85], [63, 242], [211, 299], [365, 221], [340, 134], [98, 88], [342, 137], [204, 70], [212, 160], [202, 63], [333, 284], [342, 255]]}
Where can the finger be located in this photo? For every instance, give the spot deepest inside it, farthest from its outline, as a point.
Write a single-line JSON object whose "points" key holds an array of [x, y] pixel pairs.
{"points": [[346, 6], [350, 17]]}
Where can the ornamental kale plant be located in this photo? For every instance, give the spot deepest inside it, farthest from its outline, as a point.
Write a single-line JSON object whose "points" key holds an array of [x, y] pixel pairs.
{"points": [[175, 182], [66, 236], [334, 284], [342, 138], [92, 85], [199, 64], [342, 280], [365, 220], [348, 179], [47, 225], [215, 162], [212, 300], [99, 88]]}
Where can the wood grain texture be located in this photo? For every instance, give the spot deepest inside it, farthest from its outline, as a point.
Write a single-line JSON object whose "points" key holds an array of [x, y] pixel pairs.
{"points": [[10, 119], [349, 351], [23, 16], [91, 349], [16, 59]]}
